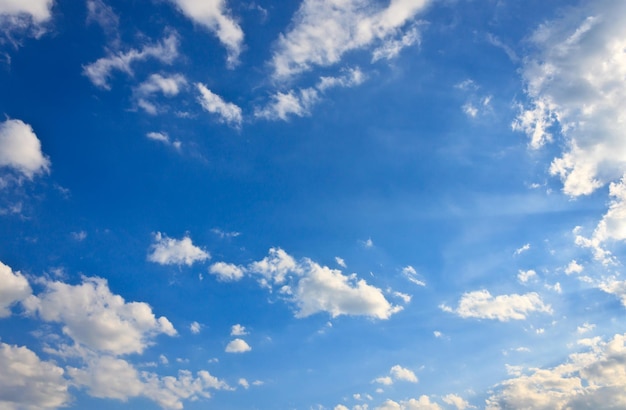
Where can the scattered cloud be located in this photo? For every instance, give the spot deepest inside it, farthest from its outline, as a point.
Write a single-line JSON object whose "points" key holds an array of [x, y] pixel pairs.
{"points": [[397, 373], [223, 234], [615, 287], [411, 274], [238, 330], [456, 401], [102, 14], [164, 138], [322, 31], [79, 236], [27, 382], [525, 275], [482, 305], [585, 328], [573, 267], [98, 319], [423, 403], [100, 71], [213, 103], [215, 16], [227, 271], [522, 249], [243, 383], [14, 289], [24, 18], [20, 149], [340, 262], [195, 328], [168, 251], [168, 86], [283, 105], [237, 346]]}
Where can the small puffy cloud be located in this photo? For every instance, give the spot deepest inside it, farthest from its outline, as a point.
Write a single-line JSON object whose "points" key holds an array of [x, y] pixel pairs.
{"points": [[215, 16], [237, 346], [401, 373], [238, 330], [79, 236], [227, 271], [573, 267], [163, 138], [321, 32], [282, 105], [368, 243], [405, 297], [168, 86], [592, 379], [20, 149], [27, 382], [423, 403], [521, 249], [386, 380], [213, 103], [195, 327], [482, 305], [456, 401], [615, 287], [13, 288], [276, 266], [243, 383], [411, 274], [96, 318], [168, 251], [585, 328], [525, 275], [340, 262], [100, 71]]}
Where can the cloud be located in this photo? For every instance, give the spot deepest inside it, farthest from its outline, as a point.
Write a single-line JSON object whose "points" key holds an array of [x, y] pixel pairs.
{"points": [[227, 271], [238, 330], [480, 304], [340, 262], [27, 382], [456, 401], [195, 327], [323, 30], [14, 288], [521, 249], [574, 83], [24, 17], [615, 287], [156, 83], [237, 346], [114, 378], [214, 16], [411, 274], [391, 48], [20, 149], [592, 379], [423, 403], [243, 383], [164, 138], [168, 251], [525, 275], [573, 267], [96, 318], [396, 373], [105, 17], [100, 71], [213, 103], [314, 288]]}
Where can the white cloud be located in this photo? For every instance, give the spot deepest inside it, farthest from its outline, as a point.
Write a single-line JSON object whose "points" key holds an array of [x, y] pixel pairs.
{"points": [[368, 243], [386, 380], [195, 327], [223, 234], [214, 15], [323, 30], [575, 82], [213, 103], [168, 251], [20, 149], [391, 48], [283, 105], [156, 83], [14, 288], [238, 330], [456, 401], [573, 267], [340, 262], [521, 249], [227, 271], [105, 17], [423, 403], [482, 305], [98, 319], [526, 275], [39, 10], [237, 346], [615, 287], [586, 327], [243, 383], [27, 382], [404, 296], [24, 17], [79, 236], [593, 379], [100, 71], [114, 378], [164, 138], [411, 274], [314, 288], [401, 373], [352, 78]]}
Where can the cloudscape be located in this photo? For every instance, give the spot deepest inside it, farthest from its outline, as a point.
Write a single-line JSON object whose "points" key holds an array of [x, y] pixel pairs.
{"points": [[315, 204]]}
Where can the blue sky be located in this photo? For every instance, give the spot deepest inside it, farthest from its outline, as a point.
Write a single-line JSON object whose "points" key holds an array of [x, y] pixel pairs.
{"points": [[325, 204]]}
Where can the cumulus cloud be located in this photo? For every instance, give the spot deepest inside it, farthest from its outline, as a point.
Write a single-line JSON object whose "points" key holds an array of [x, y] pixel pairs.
{"points": [[323, 30], [215, 16], [238, 330], [482, 305], [168, 251], [237, 346], [615, 287], [592, 379], [100, 71], [168, 86], [396, 373], [24, 17], [456, 401], [314, 288], [573, 267], [227, 271], [525, 275], [20, 149], [423, 403], [115, 378], [164, 138], [13, 288], [574, 82], [27, 382], [195, 327], [213, 103], [96, 318]]}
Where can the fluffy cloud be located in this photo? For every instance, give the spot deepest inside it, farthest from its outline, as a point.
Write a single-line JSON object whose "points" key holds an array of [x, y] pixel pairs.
{"points": [[594, 379], [615, 287], [314, 288], [237, 346], [20, 149], [480, 304], [195, 328], [214, 15], [396, 373], [411, 274], [456, 401], [98, 319], [164, 138], [227, 271], [27, 382], [213, 103], [100, 71], [156, 83], [24, 17], [238, 330], [526, 275], [13, 288], [323, 30], [423, 403], [575, 83], [168, 251], [114, 378]]}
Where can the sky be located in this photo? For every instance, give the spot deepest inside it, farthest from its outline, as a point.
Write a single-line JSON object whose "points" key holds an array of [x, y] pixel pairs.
{"points": [[316, 204]]}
